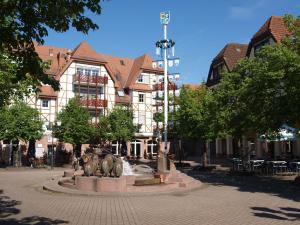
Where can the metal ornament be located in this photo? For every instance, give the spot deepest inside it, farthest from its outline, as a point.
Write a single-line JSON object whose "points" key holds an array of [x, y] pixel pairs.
{"points": [[165, 17]]}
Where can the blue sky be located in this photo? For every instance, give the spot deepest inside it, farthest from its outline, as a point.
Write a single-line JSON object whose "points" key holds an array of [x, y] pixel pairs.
{"points": [[200, 28]]}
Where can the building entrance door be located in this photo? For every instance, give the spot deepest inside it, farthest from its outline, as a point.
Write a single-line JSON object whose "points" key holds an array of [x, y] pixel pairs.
{"points": [[135, 148]]}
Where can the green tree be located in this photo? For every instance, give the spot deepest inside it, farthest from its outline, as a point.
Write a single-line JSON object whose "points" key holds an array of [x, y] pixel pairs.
{"points": [[11, 87], [261, 93], [23, 22], [193, 117], [20, 122], [119, 124], [75, 127]]}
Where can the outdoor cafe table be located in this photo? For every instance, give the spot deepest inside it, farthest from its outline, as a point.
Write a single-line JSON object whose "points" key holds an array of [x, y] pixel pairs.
{"points": [[255, 162], [295, 165], [276, 164]]}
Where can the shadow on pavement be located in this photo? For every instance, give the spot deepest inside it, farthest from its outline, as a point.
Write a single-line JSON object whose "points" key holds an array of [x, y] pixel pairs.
{"points": [[8, 210], [288, 213], [277, 187]]}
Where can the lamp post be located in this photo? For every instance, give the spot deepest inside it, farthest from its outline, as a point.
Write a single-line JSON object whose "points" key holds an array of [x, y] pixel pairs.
{"points": [[163, 48]]}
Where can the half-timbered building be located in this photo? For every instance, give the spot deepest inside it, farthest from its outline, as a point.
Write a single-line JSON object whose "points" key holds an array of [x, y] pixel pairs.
{"points": [[100, 82]]}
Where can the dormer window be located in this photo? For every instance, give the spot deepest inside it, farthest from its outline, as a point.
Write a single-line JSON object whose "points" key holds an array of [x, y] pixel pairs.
{"points": [[141, 79], [258, 46], [122, 62], [121, 93]]}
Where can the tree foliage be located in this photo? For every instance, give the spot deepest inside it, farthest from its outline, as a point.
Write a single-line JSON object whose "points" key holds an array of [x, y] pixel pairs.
{"points": [[118, 125], [20, 122], [10, 86], [75, 127], [23, 22], [261, 93], [193, 116]]}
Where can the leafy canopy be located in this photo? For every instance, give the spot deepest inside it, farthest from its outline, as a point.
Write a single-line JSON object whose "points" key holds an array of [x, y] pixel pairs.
{"points": [[118, 125], [23, 22], [20, 122], [193, 117], [261, 93], [75, 127]]}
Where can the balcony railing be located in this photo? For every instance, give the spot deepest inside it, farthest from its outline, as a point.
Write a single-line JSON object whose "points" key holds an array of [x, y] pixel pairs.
{"points": [[160, 87], [80, 78], [99, 103]]}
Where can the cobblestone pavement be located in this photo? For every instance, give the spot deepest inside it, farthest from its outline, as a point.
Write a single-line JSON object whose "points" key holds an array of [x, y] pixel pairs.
{"points": [[222, 200]]}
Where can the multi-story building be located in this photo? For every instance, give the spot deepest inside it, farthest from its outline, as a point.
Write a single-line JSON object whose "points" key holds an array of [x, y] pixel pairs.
{"points": [[225, 61], [272, 31], [101, 82]]}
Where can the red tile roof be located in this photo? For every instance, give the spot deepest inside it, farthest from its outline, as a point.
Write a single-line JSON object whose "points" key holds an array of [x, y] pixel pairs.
{"points": [[47, 91], [192, 86], [231, 54], [123, 71], [273, 26]]}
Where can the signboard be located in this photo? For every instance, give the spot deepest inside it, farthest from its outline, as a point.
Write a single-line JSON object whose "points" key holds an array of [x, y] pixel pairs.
{"points": [[39, 152], [165, 17]]}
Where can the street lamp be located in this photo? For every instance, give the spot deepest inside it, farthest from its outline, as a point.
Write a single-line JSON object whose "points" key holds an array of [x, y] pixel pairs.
{"points": [[165, 46]]}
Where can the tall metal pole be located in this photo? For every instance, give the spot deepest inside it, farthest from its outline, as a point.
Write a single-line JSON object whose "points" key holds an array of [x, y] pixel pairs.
{"points": [[165, 91], [52, 151]]}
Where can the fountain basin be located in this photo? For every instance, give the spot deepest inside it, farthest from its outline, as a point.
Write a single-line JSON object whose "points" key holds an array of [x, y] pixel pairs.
{"points": [[99, 184]]}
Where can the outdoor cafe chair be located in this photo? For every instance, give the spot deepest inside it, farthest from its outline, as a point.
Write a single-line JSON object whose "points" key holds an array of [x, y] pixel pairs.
{"points": [[237, 164], [294, 167], [257, 166], [282, 166]]}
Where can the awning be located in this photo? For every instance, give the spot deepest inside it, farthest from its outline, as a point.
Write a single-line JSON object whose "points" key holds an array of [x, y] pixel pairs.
{"points": [[285, 133]]}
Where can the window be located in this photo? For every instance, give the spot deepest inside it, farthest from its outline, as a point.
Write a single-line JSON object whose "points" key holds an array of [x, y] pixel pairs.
{"points": [[79, 71], [48, 125], [258, 46], [95, 72], [101, 112], [142, 118], [121, 93], [87, 72], [101, 90], [45, 103], [141, 98], [141, 79], [122, 62]]}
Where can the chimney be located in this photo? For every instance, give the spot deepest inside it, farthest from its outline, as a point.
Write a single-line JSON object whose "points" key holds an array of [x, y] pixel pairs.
{"points": [[51, 52], [69, 54], [58, 60]]}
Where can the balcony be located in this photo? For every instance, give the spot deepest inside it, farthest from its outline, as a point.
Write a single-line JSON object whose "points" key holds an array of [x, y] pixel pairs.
{"points": [[160, 87], [94, 80], [93, 103]]}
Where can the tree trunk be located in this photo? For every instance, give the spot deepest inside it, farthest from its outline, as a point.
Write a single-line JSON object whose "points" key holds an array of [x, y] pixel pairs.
{"points": [[31, 149], [78, 150], [204, 157]]}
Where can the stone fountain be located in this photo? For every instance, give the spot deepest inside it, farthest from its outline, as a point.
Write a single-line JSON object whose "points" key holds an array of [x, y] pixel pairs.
{"points": [[101, 172]]}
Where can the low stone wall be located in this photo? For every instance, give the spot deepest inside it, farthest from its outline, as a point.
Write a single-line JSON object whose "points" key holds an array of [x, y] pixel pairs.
{"points": [[103, 184]]}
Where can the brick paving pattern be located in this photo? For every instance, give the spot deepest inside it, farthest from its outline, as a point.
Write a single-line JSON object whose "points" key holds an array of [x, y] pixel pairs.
{"points": [[222, 200]]}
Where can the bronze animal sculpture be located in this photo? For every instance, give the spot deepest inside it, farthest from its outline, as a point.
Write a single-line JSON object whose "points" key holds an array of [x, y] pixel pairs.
{"points": [[101, 163], [107, 165], [90, 164], [118, 167]]}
